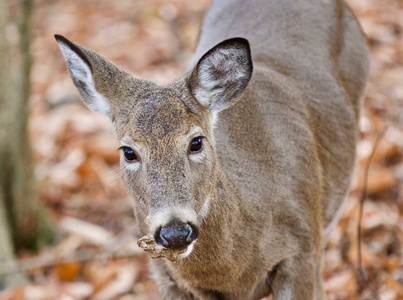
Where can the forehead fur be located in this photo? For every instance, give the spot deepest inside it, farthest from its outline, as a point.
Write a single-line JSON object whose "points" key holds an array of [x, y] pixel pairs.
{"points": [[158, 114]]}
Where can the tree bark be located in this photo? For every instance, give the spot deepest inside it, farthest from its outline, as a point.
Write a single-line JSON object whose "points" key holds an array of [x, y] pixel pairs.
{"points": [[7, 249], [20, 209]]}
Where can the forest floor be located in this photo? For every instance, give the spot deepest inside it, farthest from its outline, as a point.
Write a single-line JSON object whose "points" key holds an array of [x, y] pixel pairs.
{"points": [[78, 162]]}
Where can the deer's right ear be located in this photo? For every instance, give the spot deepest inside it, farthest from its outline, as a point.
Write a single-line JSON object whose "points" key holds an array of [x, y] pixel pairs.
{"points": [[83, 64]]}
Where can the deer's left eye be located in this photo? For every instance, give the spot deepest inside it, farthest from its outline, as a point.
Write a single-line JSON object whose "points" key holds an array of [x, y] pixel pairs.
{"points": [[196, 145]]}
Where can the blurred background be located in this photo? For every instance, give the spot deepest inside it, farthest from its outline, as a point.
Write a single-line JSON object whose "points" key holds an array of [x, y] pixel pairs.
{"points": [[66, 225]]}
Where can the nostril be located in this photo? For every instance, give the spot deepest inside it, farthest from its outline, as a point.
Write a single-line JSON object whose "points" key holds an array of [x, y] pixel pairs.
{"points": [[160, 238], [190, 234], [194, 232], [176, 237]]}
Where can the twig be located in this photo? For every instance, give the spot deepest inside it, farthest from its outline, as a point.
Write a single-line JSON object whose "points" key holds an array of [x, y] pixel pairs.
{"points": [[111, 250], [361, 273], [49, 260]]}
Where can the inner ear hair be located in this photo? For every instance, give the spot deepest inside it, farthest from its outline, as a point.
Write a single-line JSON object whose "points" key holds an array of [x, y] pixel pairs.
{"points": [[222, 74]]}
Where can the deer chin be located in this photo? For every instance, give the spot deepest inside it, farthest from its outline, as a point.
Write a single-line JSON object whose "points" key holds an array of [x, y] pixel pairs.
{"points": [[188, 250]]}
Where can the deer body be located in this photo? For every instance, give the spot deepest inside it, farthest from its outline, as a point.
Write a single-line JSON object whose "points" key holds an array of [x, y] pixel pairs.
{"points": [[257, 202]]}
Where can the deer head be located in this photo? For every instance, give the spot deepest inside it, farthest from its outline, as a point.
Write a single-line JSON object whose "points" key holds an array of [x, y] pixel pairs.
{"points": [[168, 159]]}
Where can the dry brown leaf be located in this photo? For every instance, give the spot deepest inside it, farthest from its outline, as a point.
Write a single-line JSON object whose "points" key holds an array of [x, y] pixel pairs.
{"points": [[68, 271], [96, 146], [79, 290], [89, 232], [380, 180], [99, 275], [121, 283]]}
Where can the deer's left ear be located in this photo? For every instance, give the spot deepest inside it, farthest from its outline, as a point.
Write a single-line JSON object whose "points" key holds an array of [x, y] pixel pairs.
{"points": [[222, 74]]}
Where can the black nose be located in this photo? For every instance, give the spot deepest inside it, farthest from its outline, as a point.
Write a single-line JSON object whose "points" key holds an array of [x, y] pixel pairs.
{"points": [[176, 235]]}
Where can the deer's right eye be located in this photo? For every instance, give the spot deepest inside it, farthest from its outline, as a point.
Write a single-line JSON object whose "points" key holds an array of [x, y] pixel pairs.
{"points": [[129, 154]]}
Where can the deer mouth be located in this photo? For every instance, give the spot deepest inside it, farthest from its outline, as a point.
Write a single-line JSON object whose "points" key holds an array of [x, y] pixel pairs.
{"points": [[154, 250]]}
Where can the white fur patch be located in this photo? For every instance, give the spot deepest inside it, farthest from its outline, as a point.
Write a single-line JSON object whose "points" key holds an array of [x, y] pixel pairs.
{"points": [[336, 218], [284, 293], [214, 117], [80, 72], [132, 166], [164, 215], [188, 250], [198, 157], [204, 211]]}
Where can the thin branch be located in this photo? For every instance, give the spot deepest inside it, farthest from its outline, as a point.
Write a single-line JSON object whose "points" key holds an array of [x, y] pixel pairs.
{"points": [[361, 272], [49, 260], [113, 249]]}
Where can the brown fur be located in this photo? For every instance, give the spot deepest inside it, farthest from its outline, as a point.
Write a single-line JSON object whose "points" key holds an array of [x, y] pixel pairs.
{"points": [[277, 163]]}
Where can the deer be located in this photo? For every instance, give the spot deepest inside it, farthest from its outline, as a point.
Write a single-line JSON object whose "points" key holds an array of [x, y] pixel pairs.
{"points": [[242, 165]]}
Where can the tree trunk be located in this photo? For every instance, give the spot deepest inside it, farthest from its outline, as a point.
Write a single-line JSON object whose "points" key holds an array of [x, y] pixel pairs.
{"points": [[6, 248], [20, 211]]}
